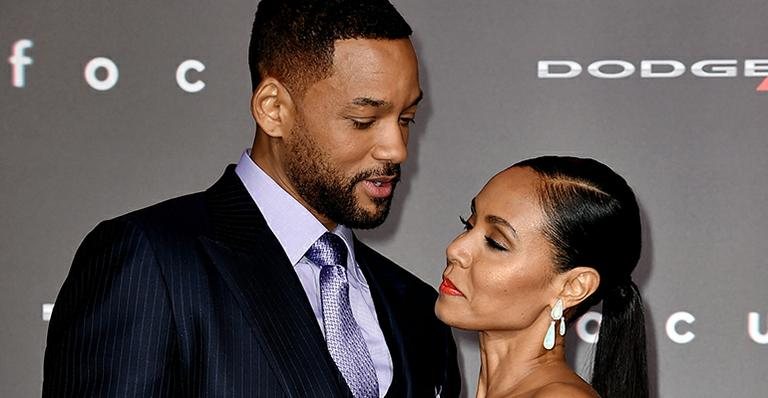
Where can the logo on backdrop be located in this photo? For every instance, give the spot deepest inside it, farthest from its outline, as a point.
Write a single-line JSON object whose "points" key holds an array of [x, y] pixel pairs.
{"points": [[678, 328], [657, 69], [100, 73]]}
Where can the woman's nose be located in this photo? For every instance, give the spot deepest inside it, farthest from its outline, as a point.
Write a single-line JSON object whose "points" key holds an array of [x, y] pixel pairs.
{"points": [[458, 253]]}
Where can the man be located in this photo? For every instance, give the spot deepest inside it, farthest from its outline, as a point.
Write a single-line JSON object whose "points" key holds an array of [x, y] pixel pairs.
{"points": [[257, 287]]}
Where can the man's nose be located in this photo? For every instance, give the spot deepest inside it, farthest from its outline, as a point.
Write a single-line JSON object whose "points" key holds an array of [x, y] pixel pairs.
{"points": [[392, 147]]}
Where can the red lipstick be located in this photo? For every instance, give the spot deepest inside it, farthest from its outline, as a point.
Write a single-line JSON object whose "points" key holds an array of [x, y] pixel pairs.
{"points": [[448, 288]]}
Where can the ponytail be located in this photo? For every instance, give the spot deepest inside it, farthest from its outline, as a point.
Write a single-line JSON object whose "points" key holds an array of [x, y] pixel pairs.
{"points": [[593, 220], [620, 369]]}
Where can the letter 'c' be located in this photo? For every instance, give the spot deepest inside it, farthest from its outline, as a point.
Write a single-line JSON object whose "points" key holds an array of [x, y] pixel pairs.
{"points": [[674, 319], [181, 76]]}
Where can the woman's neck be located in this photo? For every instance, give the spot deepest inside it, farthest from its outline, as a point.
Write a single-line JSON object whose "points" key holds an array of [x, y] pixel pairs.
{"points": [[509, 358]]}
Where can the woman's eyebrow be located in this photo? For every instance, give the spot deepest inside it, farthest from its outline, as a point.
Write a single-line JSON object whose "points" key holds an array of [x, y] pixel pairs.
{"points": [[496, 220]]}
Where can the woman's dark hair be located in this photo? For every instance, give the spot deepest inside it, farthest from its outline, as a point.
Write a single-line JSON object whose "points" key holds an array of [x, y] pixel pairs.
{"points": [[593, 220]]}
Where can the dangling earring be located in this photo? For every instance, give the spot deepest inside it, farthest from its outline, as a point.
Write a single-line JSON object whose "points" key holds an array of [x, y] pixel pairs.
{"points": [[556, 314]]}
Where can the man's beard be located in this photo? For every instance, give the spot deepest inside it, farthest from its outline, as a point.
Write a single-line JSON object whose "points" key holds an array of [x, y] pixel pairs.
{"points": [[326, 190]]}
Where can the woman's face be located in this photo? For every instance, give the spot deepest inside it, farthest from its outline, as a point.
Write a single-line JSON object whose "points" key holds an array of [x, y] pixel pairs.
{"points": [[500, 270]]}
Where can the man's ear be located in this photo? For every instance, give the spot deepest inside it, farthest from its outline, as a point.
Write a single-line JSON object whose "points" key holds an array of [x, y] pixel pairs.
{"points": [[580, 283], [273, 108]]}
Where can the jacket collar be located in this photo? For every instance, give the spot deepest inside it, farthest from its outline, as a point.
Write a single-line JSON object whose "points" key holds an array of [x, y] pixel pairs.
{"points": [[385, 291], [235, 219], [258, 273]]}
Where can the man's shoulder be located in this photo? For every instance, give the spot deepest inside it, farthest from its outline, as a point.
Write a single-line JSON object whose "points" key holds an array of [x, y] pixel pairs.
{"points": [[180, 216], [172, 208]]}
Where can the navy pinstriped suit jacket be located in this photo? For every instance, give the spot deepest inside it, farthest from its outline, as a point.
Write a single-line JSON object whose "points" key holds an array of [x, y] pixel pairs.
{"points": [[194, 297]]}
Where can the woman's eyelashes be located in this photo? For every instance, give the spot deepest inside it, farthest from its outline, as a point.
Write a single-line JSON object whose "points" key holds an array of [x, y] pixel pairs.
{"points": [[490, 242], [467, 225], [494, 245]]}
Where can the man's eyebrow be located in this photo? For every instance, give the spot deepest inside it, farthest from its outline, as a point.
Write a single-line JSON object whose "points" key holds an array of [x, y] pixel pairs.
{"points": [[379, 103], [500, 221], [367, 101]]}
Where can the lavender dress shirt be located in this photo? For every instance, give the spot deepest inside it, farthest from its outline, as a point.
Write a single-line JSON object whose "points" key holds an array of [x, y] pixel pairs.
{"points": [[297, 229]]}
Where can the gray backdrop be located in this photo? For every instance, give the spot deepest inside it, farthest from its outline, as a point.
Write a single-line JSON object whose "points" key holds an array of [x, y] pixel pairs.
{"points": [[694, 148]]}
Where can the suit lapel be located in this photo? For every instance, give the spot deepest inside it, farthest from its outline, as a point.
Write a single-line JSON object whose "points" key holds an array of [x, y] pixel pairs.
{"points": [[384, 291], [259, 274]]}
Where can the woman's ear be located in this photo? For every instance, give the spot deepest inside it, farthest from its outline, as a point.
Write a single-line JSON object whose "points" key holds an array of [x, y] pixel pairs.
{"points": [[273, 108], [580, 283]]}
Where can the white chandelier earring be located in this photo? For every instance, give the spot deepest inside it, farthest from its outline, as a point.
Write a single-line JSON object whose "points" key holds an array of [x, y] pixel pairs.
{"points": [[557, 315]]}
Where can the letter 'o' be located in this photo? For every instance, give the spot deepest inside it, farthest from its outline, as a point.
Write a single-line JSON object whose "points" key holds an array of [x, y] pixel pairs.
{"points": [[101, 63], [581, 327]]}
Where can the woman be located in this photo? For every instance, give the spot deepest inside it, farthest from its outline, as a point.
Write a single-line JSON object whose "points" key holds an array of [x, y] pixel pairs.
{"points": [[547, 239]]}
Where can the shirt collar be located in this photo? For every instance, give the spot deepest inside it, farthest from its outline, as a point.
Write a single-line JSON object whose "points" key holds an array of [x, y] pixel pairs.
{"points": [[293, 225]]}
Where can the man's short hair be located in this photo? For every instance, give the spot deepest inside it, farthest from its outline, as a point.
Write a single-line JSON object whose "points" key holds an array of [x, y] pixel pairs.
{"points": [[293, 40]]}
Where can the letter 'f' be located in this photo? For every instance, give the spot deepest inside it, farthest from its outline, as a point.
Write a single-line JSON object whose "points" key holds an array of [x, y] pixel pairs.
{"points": [[20, 61]]}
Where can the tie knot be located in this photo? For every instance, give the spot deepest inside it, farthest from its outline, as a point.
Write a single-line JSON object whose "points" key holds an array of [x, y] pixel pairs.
{"points": [[329, 249]]}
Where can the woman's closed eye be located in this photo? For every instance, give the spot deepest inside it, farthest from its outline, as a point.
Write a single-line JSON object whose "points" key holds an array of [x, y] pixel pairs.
{"points": [[490, 242], [494, 245]]}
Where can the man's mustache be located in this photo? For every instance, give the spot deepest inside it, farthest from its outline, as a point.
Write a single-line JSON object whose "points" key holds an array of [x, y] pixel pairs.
{"points": [[387, 170]]}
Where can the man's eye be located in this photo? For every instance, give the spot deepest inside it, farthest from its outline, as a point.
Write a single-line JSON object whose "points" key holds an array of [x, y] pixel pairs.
{"points": [[361, 125], [407, 121]]}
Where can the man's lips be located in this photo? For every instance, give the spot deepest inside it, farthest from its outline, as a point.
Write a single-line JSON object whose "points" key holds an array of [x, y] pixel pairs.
{"points": [[448, 288], [380, 187]]}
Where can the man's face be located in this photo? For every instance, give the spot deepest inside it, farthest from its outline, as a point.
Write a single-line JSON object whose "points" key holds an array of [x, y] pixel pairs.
{"points": [[344, 152]]}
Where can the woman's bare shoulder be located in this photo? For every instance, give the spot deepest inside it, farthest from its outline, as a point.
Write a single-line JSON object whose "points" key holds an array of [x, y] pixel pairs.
{"points": [[570, 390]]}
